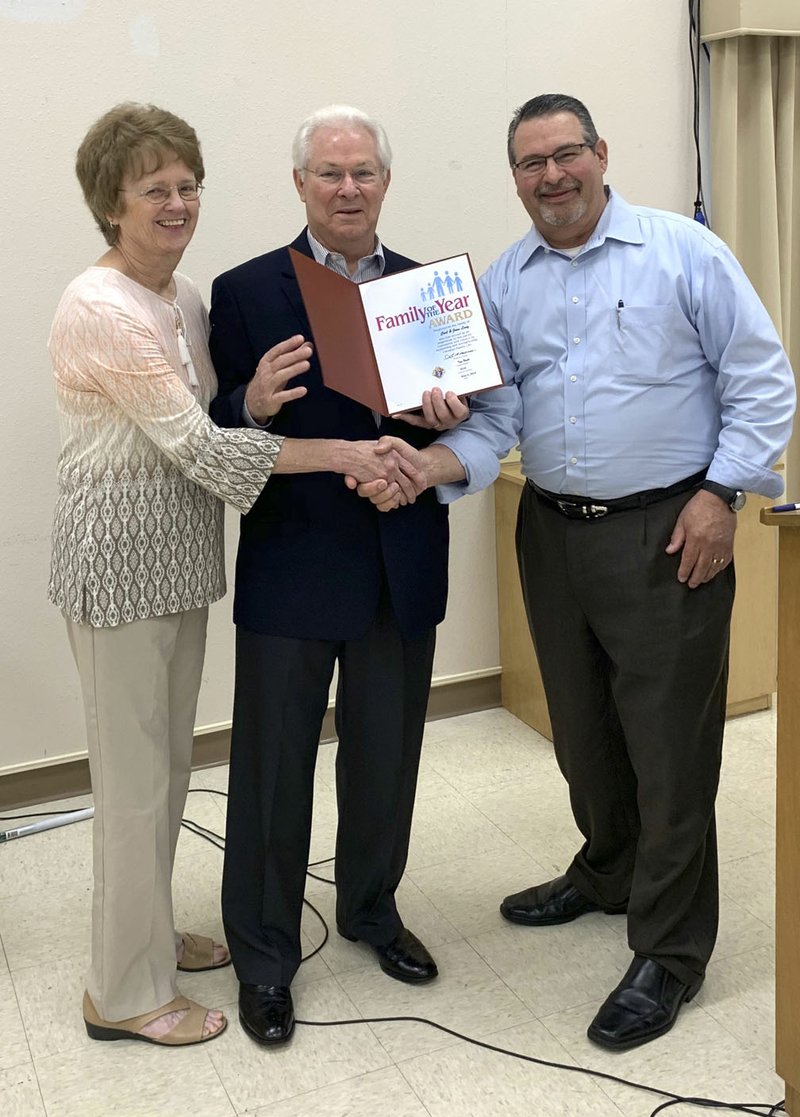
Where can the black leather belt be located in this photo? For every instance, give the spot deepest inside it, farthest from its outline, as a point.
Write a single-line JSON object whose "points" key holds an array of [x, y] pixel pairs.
{"points": [[587, 508]]}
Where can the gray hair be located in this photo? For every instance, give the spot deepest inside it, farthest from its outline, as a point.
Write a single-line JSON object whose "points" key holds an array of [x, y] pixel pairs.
{"points": [[337, 116], [548, 104]]}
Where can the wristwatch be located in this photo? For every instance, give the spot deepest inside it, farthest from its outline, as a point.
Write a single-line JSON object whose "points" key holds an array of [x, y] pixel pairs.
{"points": [[734, 498]]}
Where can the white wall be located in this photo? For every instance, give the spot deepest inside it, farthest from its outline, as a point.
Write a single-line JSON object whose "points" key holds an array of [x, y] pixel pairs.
{"points": [[444, 77]]}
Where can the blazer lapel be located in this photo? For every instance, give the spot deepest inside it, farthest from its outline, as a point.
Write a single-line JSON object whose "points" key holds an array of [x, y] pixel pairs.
{"points": [[289, 283]]}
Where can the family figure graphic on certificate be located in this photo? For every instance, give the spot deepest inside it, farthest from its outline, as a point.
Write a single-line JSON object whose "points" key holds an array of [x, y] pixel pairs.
{"points": [[439, 286], [387, 341]]}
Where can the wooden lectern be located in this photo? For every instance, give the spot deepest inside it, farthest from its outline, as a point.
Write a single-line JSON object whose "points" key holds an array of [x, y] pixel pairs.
{"points": [[787, 818]]}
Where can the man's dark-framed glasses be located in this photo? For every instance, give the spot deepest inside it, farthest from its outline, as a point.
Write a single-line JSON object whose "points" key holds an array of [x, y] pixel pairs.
{"points": [[564, 157]]}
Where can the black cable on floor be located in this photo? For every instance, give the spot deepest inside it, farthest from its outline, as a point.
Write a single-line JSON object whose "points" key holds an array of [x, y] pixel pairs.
{"points": [[759, 1109], [203, 832], [219, 841]]}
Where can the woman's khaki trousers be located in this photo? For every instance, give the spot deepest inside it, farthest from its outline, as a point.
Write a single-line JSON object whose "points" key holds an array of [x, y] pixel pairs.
{"points": [[140, 683]]}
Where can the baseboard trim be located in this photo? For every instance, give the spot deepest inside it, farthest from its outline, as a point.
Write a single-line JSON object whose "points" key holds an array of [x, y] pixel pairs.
{"points": [[450, 696], [42, 785]]}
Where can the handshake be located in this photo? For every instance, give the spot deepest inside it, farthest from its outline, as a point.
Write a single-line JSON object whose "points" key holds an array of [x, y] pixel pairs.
{"points": [[388, 472]]}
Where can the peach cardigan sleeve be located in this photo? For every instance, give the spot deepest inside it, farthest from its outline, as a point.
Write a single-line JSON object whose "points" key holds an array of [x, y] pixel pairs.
{"points": [[138, 528]]}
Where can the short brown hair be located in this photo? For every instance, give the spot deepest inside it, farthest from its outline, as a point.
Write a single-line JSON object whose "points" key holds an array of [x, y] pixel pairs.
{"points": [[130, 139]]}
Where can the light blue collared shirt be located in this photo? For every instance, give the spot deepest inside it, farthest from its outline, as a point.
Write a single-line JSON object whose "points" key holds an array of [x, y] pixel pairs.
{"points": [[639, 362]]}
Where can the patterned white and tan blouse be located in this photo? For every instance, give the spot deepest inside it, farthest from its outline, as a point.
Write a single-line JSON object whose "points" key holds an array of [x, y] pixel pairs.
{"points": [[143, 471]]}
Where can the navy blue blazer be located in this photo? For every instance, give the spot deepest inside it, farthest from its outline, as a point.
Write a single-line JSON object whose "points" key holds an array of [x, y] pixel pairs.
{"points": [[312, 554]]}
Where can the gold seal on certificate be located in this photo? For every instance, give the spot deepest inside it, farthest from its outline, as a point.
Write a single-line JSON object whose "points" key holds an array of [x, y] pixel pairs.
{"points": [[386, 341]]}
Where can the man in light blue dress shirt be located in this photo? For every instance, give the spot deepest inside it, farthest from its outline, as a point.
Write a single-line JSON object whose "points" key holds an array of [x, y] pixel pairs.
{"points": [[648, 390]]}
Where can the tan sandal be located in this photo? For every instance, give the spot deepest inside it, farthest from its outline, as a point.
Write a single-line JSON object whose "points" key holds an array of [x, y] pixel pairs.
{"points": [[187, 1031], [198, 954]]}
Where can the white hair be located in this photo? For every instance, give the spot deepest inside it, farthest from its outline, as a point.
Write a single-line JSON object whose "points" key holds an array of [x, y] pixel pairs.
{"points": [[339, 116]]}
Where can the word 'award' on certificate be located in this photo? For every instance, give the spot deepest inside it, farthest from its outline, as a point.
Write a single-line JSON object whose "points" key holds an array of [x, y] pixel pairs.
{"points": [[386, 341]]}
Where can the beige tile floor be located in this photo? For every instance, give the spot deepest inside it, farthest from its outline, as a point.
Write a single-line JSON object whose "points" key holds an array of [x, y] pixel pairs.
{"points": [[492, 817]]}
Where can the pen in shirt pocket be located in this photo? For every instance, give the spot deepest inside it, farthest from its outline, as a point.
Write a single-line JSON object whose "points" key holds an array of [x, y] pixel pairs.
{"points": [[620, 308]]}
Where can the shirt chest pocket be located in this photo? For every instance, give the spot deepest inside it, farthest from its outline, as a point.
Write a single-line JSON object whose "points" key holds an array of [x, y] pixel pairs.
{"points": [[643, 344]]}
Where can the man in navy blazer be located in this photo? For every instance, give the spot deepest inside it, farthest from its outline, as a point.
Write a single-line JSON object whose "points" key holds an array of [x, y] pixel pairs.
{"points": [[322, 577]]}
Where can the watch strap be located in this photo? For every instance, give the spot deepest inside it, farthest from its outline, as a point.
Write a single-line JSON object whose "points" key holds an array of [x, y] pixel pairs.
{"points": [[732, 497]]}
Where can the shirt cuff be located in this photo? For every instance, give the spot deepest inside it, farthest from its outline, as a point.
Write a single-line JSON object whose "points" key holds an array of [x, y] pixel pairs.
{"points": [[249, 421], [481, 467], [738, 473]]}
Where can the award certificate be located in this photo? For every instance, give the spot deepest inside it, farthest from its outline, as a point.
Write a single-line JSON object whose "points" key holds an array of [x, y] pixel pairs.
{"points": [[386, 341]]}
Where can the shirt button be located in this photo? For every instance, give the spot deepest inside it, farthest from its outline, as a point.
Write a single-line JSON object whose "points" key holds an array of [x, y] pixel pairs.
{"points": [[572, 419], [572, 379], [574, 263], [577, 340], [575, 299], [573, 461]]}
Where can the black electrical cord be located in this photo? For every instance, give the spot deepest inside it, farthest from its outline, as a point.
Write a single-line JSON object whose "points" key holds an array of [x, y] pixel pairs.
{"points": [[736, 1107], [759, 1109], [323, 880], [203, 832], [695, 46], [219, 841]]}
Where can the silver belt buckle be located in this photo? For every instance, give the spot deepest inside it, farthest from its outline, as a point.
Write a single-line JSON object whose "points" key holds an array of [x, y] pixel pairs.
{"points": [[581, 511]]}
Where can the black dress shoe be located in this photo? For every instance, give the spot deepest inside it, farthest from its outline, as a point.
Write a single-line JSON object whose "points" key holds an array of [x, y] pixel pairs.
{"points": [[266, 1012], [406, 959], [545, 905], [643, 1006]]}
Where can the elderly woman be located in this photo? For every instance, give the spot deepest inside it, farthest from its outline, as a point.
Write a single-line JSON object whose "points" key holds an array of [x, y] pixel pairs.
{"points": [[137, 547]]}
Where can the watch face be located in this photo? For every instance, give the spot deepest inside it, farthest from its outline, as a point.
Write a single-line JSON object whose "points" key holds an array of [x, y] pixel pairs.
{"points": [[738, 502]]}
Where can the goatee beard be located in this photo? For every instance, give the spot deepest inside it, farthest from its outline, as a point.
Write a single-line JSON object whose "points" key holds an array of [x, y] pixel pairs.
{"points": [[563, 215]]}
